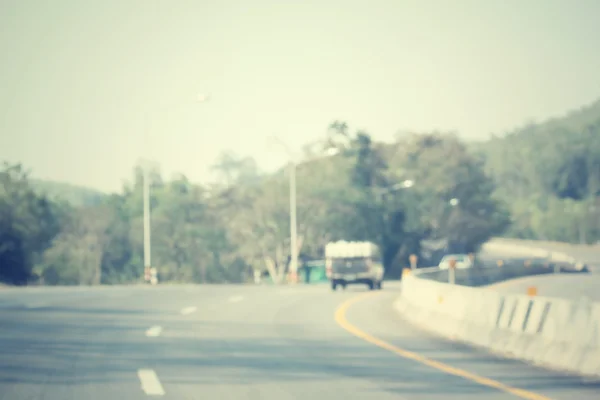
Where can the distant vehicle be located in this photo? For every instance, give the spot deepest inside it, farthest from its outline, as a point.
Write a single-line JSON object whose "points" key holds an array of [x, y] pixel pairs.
{"points": [[353, 263], [462, 261]]}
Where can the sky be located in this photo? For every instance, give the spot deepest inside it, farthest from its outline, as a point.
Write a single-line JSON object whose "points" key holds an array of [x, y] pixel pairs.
{"points": [[89, 88]]}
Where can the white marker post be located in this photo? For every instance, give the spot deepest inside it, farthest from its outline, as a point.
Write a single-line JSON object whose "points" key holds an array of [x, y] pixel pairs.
{"points": [[452, 271]]}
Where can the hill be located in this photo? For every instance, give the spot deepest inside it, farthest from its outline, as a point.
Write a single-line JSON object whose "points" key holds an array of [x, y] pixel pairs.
{"points": [[576, 119], [549, 174], [73, 194]]}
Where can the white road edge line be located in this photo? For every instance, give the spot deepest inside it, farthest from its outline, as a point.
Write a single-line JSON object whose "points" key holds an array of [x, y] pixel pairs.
{"points": [[154, 331], [150, 383], [235, 299], [188, 310]]}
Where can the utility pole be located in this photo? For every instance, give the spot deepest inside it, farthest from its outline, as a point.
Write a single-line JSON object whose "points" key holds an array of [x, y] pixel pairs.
{"points": [[149, 272], [293, 224], [293, 206], [146, 193]]}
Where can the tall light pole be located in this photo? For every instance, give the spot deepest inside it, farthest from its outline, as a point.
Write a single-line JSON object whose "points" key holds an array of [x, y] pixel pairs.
{"points": [[293, 206], [381, 192], [201, 98], [293, 224], [146, 194]]}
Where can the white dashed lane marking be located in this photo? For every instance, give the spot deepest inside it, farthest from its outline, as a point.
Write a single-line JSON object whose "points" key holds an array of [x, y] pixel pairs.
{"points": [[150, 382], [235, 299], [154, 331], [188, 310]]}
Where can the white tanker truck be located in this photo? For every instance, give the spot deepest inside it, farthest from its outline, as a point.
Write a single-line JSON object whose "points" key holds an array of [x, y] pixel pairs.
{"points": [[353, 263]]}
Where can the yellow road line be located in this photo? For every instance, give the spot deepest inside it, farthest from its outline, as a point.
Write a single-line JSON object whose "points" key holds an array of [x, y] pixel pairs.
{"points": [[340, 318]]}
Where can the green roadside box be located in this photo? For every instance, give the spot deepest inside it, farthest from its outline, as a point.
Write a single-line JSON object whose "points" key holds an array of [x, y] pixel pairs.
{"points": [[317, 271]]}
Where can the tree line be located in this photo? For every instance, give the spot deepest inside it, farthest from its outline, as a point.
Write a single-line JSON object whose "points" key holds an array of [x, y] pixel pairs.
{"points": [[541, 182], [549, 174]]}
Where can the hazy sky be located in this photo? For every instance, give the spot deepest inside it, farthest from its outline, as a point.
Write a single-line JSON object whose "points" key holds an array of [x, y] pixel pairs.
{"points": [[82, 81]]}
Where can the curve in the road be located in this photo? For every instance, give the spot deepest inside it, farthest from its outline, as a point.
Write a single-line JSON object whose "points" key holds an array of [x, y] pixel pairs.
{"points": [[275, 343], [341, 320], [566, 286]]}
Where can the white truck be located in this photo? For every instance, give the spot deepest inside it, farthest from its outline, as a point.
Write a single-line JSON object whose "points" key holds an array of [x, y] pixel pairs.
{"points": [[353, 263]]}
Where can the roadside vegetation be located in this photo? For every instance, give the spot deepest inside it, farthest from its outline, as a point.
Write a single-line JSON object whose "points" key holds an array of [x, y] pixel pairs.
{"points": [[541, 181]]}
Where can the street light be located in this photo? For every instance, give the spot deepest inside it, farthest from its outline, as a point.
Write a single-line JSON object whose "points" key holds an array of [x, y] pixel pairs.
{"points": [[379, 193], [331, 151], [406, 184], [201, 98], [146, 199]]}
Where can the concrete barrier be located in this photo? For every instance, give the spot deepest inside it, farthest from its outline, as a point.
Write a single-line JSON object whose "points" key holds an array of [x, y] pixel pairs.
{"points": [[555, 333]]}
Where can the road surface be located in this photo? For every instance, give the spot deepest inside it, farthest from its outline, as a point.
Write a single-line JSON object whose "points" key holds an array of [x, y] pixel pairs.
{"points": [[243, 342], [587, 254], [567, 286]]}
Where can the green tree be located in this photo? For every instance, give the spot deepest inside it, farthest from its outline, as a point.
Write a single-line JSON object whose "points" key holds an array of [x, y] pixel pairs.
{"points": [[28, 223], [76, 254], [231, 169], [549, 173], [456, 197]]}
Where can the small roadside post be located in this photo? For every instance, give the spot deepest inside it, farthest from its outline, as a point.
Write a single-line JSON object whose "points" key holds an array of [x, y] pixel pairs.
{"points": [[452, 271], [153, 276], [413, 261]]}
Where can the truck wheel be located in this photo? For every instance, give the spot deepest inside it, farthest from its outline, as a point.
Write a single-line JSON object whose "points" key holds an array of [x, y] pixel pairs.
{"points": [[371, 285], [379, 285], [333, 285]]}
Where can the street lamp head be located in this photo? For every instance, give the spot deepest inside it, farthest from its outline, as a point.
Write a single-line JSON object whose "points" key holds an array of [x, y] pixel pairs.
{"points": [[202, 98], [332, 151], [454, 202], [408, 183]]}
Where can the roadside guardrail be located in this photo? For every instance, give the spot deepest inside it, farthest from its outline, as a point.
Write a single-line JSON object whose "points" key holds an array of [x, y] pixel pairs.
{"points": [[487, 273]]}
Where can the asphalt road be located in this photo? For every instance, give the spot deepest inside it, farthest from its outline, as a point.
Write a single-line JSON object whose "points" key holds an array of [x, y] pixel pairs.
{"points": [[567, 286], [243, 342], [587, 254]]}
